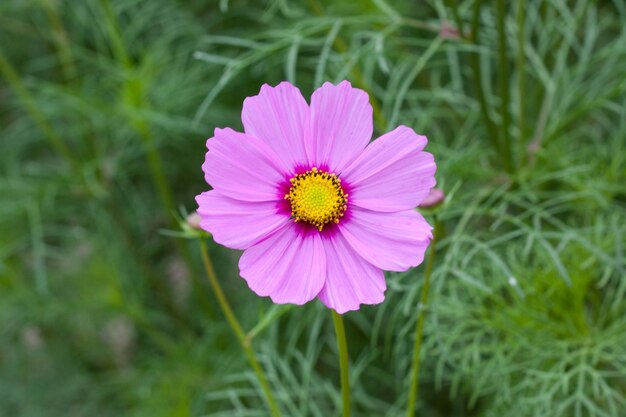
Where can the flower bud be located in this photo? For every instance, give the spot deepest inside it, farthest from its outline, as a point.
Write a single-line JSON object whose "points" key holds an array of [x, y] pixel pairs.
{"points": [[434, 198], [193, 220]]}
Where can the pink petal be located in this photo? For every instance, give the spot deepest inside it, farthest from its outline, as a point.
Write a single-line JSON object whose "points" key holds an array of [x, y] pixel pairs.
{"points": [[341, 125], [243, 167], [351, 280], [393, 173], [289, 266], [279, 116], [238, 224], [390, 241]]}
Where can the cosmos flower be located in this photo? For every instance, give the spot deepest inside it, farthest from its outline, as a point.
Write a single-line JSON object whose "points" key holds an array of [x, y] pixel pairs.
{"points": [[317, 211]]}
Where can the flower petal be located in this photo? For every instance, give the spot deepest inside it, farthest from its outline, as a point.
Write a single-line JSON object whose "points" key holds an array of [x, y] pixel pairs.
{"points": [[242, 167], [238, 224], [289, 266], [279, 116], [390, 241], [350, 280], [341, 125], [393, 173]]}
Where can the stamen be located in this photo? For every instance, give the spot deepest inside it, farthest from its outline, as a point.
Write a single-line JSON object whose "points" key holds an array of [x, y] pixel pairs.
{"points": [[317, 198]]}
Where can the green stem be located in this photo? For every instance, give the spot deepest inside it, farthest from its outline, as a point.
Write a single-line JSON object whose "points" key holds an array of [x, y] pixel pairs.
{"points": [[245, 343], [419, 327], [61, 40], [134, 96], [7, 70], [521, 76], [504, 86], [117, 42], [457, 18], [476, 67], [155, 164], [342, 47], [342, 346]]}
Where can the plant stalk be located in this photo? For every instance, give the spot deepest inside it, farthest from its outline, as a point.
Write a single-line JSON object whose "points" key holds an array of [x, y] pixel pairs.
{"points": [[504, 87], [55, 140], [342, 346], [342, 47], [521, 77], [476, 66], [60, 40], [245, 343], [133, 95], [457, 18], [419, 327]]}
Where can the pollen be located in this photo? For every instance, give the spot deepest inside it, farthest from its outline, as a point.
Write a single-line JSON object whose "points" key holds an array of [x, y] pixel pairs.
{"points": [[317, 198]]}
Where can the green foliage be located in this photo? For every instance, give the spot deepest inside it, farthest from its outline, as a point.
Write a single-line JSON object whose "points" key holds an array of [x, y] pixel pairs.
{"points": [[104, 109]]}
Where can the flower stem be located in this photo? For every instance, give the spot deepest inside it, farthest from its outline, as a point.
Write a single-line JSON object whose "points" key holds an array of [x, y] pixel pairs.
{"points": [[342, 346], [419, 328], [457, 18], [342, 47], [133, 95], [477, 71], [504, 86], [237, 329], [61, 40], [32, 109], [521, 75]]}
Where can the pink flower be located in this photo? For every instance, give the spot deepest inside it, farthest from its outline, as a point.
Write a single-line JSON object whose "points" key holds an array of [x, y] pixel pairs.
{"points": [[317, 211]]}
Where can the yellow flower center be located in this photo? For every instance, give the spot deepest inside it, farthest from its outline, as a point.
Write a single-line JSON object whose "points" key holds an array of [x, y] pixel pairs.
{"points": [[317, 198]]}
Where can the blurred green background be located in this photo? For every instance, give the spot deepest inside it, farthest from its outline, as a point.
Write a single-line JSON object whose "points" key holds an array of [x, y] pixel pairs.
{"points": [[105, 106]]}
